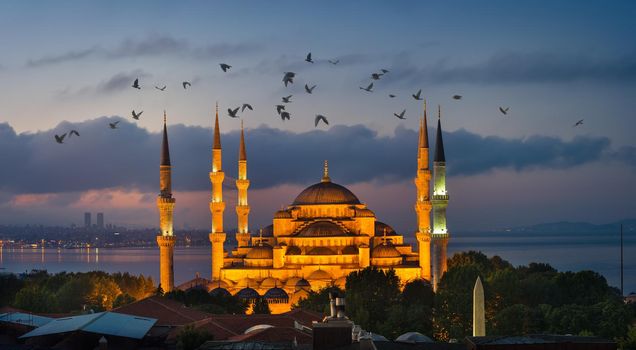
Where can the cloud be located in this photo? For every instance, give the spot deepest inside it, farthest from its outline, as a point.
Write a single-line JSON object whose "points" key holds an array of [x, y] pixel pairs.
{"points": [[513, 68], [120, 81], [154, 45], [128, 157]]}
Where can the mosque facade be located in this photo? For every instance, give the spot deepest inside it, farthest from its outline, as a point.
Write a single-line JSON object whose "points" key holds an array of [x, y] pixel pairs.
{"points": [[316, 241]]}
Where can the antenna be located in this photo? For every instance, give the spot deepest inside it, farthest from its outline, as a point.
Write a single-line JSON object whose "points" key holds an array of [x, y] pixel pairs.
{"points": [[622, 291]]}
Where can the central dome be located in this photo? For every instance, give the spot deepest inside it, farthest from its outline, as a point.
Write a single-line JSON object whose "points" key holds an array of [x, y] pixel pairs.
{"points": [[326, 192]]}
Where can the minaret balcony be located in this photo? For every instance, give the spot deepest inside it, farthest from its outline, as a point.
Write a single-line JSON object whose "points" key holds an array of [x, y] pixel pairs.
{"points": [[440, 197]]}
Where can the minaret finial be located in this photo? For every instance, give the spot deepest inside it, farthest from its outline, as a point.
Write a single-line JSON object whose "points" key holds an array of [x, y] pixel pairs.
{"points": [[384, 236], [325, 172], [217, 129], [439, 112], [423, 142], [242, 153], [164, 117]]}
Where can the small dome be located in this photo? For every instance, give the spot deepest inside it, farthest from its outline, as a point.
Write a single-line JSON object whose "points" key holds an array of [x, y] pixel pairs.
{"points": [[413, 337], [322, 229], [268, 231], [298, 295], [350, 249], [293, 250], [247, 294], [326, 192], [276, 293], [260, 252], [282, 214], [385, 251], [379, 229], [321, 251], [303, 284], [220, 292], [320, 275], [246, 282], [270, 282]]}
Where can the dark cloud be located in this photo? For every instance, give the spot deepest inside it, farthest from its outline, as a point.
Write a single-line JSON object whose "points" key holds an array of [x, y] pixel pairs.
{"points": [[511, 68], [154, 45], [128, 157], [120, 81]]}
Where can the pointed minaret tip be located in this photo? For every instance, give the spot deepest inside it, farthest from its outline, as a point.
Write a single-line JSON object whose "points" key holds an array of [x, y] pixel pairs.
{"points": [[242, 153], [440, 156], [423, 141], [165, 148], [164, 117], [217, 130], [325, 172]]}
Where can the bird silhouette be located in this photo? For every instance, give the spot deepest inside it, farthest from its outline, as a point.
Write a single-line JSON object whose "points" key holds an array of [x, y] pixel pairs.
{"points": [[225, 67], [580, 122], [136, 115], [288, 78], [334, 62], [384, 71], [186, 84], [320, 117], [73, 132], [160, 88], [401, 115], [60, 138], [136, 84], [457, 97], [248, 106], [417, 96], [280, 108], [308, 58], [368, 88], [391, 95], [308, 89], [232, 112], [113, 125], [376, 76], [285, 115], [504, 110], [287, 99]]}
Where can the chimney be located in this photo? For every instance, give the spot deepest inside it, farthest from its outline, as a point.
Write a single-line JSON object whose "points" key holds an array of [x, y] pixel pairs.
{"points": [[334, 331], [340, 307]]}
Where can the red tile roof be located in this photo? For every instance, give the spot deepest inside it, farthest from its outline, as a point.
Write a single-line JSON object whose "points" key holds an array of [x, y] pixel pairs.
{"points": [[167, 312]]}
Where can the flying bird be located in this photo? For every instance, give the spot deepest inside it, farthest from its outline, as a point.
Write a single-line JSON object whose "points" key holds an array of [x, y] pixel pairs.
{"points": [[232, 112], [248, 106], [320, 117], [285, 115], [384, 71], [334, 62], [580, 122], [136, 115], [457, 97], [376, 76], [401, 115], [309, 89], [113, 125], [280, 108], [186, 84], [289, 78], [73, 132], [417, 96], [308, 58], [368, 88], [287, 99], [60, 138], [391, 95], [225, 67], [136, 84], [504, 110], [160, 88]]}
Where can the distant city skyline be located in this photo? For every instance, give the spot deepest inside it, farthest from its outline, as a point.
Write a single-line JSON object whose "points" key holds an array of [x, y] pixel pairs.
{"points": [[551, 62]]}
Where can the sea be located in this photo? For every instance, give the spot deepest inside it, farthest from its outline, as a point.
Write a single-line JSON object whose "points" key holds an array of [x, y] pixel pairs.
{"points": [[564, 251]]}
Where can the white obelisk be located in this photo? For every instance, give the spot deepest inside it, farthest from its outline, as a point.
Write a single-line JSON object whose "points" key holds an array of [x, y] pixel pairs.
{"points": [[479, 318]]}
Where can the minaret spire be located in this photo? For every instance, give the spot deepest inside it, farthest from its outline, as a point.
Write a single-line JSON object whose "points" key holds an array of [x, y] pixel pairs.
{"points": [[242, 155], [165, 204], [423, 203], [242, 184], [423, 130], [439, 141], [217, 130], [440, 202], [325, 172], [217, 206]]}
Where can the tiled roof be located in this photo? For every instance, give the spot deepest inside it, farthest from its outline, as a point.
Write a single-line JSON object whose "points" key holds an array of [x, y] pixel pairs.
{"points": [[167, 312]]}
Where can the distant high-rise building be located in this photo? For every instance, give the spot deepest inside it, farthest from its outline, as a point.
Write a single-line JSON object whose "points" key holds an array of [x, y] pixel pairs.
{"points": [[100, 220], [87, 219]]}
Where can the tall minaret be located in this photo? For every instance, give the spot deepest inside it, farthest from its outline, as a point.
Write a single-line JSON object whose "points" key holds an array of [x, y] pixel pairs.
{"points": [[440, 202], [242, 184], [165, 204], [217, 206], [423, 203]]}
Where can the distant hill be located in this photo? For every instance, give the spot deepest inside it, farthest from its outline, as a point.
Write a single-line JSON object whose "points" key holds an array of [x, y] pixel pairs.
{"points": [[629, 225]]}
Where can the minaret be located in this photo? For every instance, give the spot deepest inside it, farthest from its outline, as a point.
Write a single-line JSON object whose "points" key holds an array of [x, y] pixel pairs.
{"points": [[423, 203], [165, 204], [242, 184], [217, 206], [440, 202]]}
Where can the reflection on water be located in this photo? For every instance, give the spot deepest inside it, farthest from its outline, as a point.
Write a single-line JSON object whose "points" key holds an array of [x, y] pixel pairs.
{"points": [[598, 252]]}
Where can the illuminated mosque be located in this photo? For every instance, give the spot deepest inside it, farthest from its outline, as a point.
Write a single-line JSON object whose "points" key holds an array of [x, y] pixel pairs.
{"points": [[317, 240]]}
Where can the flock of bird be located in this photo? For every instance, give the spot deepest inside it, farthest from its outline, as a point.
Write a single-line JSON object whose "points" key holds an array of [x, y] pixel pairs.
{"points": [[283, 113]]}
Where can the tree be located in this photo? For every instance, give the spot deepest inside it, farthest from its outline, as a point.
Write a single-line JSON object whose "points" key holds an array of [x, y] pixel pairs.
{"points": [[369, 294], [159, 290], [9, 287], [261, 307], [190, 338], [318, 301], [123, 299], [36, 299]]}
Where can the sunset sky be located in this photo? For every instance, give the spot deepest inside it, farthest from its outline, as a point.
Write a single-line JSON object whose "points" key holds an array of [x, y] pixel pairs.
{"points": [[70, 65]]}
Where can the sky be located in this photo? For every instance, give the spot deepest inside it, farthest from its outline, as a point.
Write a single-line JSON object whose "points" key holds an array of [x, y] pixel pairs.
{"points": [[70, 65]]}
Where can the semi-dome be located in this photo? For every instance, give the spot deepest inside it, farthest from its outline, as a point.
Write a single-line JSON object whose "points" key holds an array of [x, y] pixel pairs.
{"points": [[321, 251], [380, 227], [293, 250], [220, 292], [246, 282], [326, 192], [322, 229], [248, 294], [385, 251], [303, 284], [291, 282], [341, 282], [277, 294], [260, 252], [270, 282], [320, 275], [350, 249]]}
